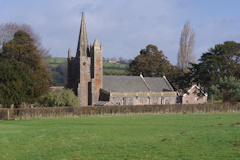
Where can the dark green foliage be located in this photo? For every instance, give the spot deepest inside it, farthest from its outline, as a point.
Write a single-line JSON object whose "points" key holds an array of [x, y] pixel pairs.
{"points": [[179, 79], [59, 98], [215, 93], [223, 60], [23, 77], [153, 63], [150, 62], [228, 89], [60, 70]]}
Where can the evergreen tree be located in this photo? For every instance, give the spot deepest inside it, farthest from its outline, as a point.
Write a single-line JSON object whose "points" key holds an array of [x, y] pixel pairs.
{"points": [[228, 89], [23, 78], [218, 62]]}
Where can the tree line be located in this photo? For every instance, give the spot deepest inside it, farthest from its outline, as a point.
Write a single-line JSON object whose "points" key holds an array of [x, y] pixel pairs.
{"points": [[24, 77], [218, 70]]}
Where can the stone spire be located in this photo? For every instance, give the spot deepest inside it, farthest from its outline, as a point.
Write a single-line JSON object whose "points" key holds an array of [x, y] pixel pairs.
{"points": [[82, 48]]}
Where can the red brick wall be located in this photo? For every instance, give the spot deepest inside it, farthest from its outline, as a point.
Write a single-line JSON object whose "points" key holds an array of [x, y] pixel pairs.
{"points": [[85, 77], [97, 72], [193, 97]]}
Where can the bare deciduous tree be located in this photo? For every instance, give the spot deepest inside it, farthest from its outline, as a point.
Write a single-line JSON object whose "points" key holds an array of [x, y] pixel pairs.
{"points": [[7, 31], [187, 42]]}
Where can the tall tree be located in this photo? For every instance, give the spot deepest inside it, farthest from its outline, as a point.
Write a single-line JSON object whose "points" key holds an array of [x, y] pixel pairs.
{"points": [[218, 62], [187, 42], [7, 31], [151, 62], [23, 78]]}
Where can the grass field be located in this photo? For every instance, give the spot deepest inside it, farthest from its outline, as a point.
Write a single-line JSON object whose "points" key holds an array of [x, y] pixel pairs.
{"points": [[118, 71], [118, 65], [56, 61], [168, 136]]}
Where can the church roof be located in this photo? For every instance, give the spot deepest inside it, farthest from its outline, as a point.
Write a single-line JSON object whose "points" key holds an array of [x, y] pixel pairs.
{"points": [[157, 84], [135, 84]]}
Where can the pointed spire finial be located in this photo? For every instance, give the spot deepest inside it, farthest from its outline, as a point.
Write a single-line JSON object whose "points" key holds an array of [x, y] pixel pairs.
{"points": [[69, 53], [96, 43], [82, 48]]}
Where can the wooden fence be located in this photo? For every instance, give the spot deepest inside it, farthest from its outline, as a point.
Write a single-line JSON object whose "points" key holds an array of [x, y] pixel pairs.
{"points": [[25, 113]]}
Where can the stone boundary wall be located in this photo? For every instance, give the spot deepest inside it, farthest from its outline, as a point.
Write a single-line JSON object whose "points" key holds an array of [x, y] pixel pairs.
{"points": [[25, 113]]}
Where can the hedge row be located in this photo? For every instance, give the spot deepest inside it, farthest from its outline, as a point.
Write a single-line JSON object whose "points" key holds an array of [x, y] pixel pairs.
{"points": [[24, 113]]}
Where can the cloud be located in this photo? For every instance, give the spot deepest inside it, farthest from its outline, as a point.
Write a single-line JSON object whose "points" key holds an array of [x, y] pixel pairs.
{"points": [[125, 27]]}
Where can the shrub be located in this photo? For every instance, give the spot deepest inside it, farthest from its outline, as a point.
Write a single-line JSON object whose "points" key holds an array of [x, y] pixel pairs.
{"points": [[58, 98]]}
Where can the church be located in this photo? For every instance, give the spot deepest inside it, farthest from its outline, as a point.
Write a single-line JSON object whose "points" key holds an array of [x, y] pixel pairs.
{"points": [[85, 77]]}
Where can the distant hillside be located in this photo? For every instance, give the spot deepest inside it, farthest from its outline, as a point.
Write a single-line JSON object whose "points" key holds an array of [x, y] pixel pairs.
{"points": [[58, 70], [54, 62]]}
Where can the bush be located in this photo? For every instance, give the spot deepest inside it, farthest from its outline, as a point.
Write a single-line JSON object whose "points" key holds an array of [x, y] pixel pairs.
{"points": [[58, 98]]}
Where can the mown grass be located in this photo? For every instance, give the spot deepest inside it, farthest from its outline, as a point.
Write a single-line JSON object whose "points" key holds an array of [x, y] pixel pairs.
{"points": [[168, 136]]}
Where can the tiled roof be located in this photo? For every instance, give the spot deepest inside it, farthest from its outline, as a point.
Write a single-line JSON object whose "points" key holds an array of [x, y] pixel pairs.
{"points": [[124, 84], [134, 84], [157, 84]]}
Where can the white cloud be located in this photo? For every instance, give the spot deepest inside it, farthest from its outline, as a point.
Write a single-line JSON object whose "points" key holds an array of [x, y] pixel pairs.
{"points": [[125, 27]]}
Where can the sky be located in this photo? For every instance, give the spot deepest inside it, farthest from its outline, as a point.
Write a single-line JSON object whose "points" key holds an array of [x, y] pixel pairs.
{"points": [[124, 27]]}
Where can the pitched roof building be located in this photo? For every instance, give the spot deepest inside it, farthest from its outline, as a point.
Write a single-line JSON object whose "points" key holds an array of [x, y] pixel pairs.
{"points": [[194, 95], [85, 77]]}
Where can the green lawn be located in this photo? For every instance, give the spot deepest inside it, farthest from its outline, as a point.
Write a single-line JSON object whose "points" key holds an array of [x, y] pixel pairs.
{"points": [[167, 136]]}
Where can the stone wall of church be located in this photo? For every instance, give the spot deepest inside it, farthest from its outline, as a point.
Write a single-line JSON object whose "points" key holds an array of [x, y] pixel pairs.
{"points": [[143, 100], [96, 70], [73, 76], [85, 77]]}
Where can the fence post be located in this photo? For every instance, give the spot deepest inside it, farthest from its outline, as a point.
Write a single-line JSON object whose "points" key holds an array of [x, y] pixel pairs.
{"points": [[8, 114]]}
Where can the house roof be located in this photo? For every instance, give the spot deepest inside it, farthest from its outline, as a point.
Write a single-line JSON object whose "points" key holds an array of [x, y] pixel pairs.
{"points": [[205, 94], [135, 84]]}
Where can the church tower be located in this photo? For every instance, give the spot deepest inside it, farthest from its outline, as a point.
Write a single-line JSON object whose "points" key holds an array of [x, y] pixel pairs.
{"points": [[85, 70], [96, 69]]}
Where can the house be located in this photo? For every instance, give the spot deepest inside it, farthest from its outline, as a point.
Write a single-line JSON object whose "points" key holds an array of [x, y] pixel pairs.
{"points": [[194, 95], [112, 61], [85, 78]]}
